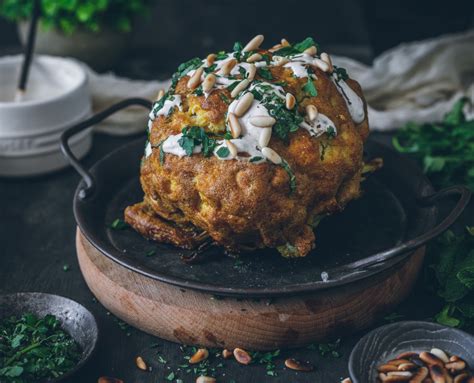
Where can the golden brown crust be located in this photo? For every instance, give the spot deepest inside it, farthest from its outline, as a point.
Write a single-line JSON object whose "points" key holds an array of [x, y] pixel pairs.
{"points": [[246, 205]]}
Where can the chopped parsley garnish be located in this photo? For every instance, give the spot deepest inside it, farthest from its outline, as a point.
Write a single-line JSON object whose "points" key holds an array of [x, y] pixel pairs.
{"points": [[341, 73], [223, 152], [285, 165], [265, 73], [221, 55], [231, 87], [286, 120], [211, 68], [256, 159], [242, 72], [194, 136], [297, 48], [35, 349], [183, 69], [309, 87], [224, 98], [198, 91], [238, 46], [118, 224], [162, 153], [331, 132]]}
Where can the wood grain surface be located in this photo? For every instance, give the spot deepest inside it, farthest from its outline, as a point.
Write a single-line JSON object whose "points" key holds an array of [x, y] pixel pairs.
{"points": [[197, 318]]}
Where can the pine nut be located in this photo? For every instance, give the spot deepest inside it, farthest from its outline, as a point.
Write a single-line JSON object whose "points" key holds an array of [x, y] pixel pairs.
{"points": [[296, 365], [199, 356], [227, 354], [108, 379], [141, 363], [290, 101], [311, 51], [210, 59], [327, 59], [262, 121], [160, 95], [346, 380], [244, 104], [280, 60], [228, 66], [387, 368], [264, 137], [242, 356], [407, 366], [404, 375], [438, 374], [456, 366], [271, 155], [205, 379], [234, 125], [397, 362], [311, 112], [463, 378], [254, 57], [252, 71], [232, 148], [208, 82], [195, 79], [275, 48], [420, 375], [321, 64], [254, 43], [440, 354], [285, 43], [239, 88], [431, 359], [407, 355]]}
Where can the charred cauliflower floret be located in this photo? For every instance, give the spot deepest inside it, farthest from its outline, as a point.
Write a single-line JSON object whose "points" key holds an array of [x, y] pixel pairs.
{"points": [[252, 149]]}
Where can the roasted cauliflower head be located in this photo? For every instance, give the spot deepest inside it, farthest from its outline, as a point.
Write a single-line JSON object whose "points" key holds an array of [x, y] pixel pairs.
{"points": [[250, 149]]}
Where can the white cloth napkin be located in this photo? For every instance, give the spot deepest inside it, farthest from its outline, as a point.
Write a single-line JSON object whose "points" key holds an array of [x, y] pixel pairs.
{"points": [[107, 89], [416, 82]]}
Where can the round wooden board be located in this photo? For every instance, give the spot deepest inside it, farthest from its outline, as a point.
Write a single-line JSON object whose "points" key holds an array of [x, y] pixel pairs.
{"points": [[196, 318]]}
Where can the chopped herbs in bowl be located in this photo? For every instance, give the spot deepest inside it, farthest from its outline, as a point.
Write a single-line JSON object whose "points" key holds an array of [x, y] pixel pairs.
{"points": [[35, 349], [43, 337]]}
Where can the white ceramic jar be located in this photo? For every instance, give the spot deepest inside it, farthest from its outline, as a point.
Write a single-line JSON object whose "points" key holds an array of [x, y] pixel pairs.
{"points": [[56, 98]]}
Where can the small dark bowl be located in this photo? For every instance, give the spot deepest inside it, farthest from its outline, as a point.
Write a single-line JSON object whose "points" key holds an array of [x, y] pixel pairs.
{"points": [[386, 342], [76, 320]]}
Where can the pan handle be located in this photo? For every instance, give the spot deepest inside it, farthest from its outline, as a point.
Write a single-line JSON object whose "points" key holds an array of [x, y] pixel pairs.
{"points": [[87, 177], [458, 190]]}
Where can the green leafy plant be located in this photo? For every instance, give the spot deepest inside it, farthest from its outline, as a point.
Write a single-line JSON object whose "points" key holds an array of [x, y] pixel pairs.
{"points": [[446, 151], [70, 15]]}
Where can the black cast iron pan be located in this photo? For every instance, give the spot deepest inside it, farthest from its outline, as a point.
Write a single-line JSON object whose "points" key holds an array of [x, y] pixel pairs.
{"points": [[396, 215]]}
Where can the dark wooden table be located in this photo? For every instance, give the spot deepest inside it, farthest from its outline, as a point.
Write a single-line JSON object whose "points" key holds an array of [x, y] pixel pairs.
{"points": [[37, 253]]}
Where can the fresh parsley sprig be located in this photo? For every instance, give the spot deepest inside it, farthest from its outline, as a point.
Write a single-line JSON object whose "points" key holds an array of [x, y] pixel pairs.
{"points": [[194, 136], [445, 149]]}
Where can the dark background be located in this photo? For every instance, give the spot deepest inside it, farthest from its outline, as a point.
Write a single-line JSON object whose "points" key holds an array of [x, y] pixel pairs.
{"points": [[175, 30]]}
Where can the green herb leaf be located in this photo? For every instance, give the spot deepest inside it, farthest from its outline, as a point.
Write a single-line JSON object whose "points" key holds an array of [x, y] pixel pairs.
{"points": [[265, 73], [194, 136], [223, 152], [291, 175], [118, 224], [309, 87]]}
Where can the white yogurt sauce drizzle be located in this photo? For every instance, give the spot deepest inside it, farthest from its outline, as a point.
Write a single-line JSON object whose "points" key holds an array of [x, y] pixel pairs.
{"points": [[353, 101], [170, 103], [247, 144], [322, 124]]}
